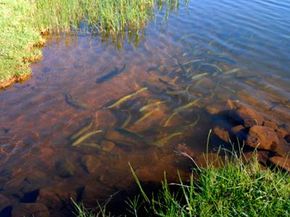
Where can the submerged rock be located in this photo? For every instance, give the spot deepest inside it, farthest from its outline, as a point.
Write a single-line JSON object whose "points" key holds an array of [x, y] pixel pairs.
{"points": [[282, 133], [239, 131], [14, 186], [200, 159], [262, 138], [58, 196], [93, 192], [245, 115], [287, 138], [104, 118], [30, 210], [209, 159], [107, 146], [281, 162], [282, 149], [65, 168], [261, 156], [90, 163], [214, 109], [125, 137], [4, 202], [25, 182], [221, 134], [253, 128], [271, 124]]}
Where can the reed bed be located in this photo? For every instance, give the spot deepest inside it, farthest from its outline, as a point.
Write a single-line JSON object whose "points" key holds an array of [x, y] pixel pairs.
{"points": [[103, 15]]}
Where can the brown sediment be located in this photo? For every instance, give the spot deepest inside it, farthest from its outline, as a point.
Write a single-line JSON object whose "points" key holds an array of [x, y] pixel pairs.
{"points": [[45, 32], [32, 59], [16, 78], [281, 162]]}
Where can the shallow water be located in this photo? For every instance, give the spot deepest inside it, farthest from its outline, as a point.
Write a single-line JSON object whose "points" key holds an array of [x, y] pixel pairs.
{"points": [[142, 100]]}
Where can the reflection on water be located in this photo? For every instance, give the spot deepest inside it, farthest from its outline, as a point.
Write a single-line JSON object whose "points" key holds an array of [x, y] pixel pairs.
{"points": [[90, 108]]}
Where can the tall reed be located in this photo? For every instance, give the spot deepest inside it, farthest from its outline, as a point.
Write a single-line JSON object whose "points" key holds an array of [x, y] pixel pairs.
{"points": [[103, 15]]}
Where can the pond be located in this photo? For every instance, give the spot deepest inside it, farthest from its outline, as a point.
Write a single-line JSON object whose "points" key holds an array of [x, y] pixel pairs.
{"points": [[92, 106]]}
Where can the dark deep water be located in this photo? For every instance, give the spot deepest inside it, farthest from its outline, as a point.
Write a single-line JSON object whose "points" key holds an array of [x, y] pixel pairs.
{"points": [[205, 54]]}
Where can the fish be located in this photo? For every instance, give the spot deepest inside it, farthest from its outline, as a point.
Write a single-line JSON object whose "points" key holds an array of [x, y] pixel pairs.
{"points": [[228, 88], [74, 102], [153, 104], [183, 69], [225, 59], [176, 92], [161, 141], [169, 119], [145, 116], [181, 66], [213, 66], [165, 82], [186, 106], [129, 133], [198, 82], [185, 37], [198, 76], [82, 130], [127, 97], [193, 61], [91, 145], [180, 95], [154, 68], [128, 119], [85, 137], [194, 123], [116, 71], [231, 71]]}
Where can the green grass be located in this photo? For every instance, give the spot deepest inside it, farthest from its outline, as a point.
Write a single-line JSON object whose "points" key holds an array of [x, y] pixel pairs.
{"points": [[234, 190], [237, 189], [17, 37], [22, 21]]}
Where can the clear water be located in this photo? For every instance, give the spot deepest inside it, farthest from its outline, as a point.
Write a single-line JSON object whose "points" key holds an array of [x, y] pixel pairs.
{"points": [[203, 55]]}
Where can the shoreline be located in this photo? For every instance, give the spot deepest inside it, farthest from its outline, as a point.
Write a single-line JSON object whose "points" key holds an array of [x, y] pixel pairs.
{"points": [[22, 23]]}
